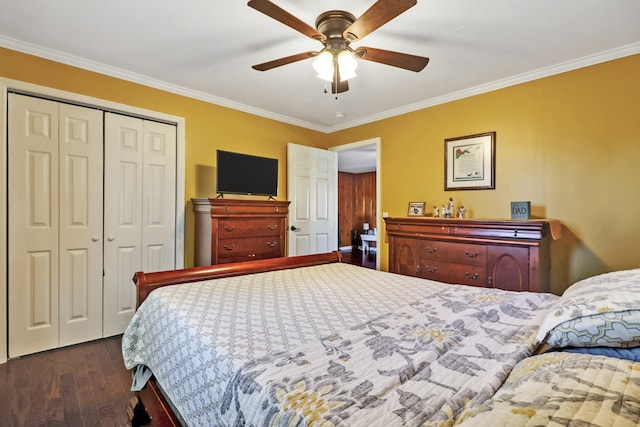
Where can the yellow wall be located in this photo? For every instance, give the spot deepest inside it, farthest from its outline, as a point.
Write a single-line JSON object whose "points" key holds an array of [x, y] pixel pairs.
{"points": [[208, 126], [568, 143]]}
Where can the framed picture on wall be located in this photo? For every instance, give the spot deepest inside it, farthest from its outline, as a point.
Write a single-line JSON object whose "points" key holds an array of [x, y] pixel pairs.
{"points": [[469, 162], [416, 209]]}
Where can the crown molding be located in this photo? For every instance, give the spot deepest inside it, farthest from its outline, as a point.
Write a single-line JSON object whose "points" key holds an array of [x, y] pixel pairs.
{"points": [[57, 56], [585, 61], [98, 67]]}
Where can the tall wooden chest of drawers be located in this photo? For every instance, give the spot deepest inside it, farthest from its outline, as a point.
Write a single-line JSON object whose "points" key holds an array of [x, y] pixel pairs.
{"points": [[505, 254], [232, 230]]}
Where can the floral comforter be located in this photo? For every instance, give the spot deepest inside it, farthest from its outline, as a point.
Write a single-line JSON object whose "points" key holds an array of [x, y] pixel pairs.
{"points": [[329, 346], [564, 389]]}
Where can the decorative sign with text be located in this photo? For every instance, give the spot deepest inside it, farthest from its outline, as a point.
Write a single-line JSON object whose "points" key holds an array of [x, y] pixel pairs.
{"points": [[520, 210]]}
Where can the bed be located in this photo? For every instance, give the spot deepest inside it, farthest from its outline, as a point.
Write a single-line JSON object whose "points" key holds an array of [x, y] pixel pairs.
{"points": [[312, 341]]}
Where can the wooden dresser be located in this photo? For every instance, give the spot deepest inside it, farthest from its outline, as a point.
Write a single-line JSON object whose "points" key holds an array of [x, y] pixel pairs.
{"points": [[231, 230], [504, 254]]}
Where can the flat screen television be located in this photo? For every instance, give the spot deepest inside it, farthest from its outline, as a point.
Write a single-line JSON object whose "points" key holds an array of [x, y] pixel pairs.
{"points": [[246, 174]]}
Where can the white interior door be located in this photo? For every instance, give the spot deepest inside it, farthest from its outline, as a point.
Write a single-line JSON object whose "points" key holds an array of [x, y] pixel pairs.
{"points": [[159, 194], [122, 219], [55, 224], [33, 225], [41, 280], [81, 174], [140, 186], [312, 188]]}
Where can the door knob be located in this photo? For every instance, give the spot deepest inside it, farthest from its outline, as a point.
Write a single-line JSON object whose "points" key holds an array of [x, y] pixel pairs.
{"points": [[294, 228]]}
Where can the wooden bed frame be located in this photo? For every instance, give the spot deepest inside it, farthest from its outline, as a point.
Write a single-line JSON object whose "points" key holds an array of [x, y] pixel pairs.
{"points": [[149, 406]]}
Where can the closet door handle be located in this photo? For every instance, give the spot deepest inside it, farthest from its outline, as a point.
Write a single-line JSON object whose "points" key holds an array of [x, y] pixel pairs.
{"points": [[111, 238], [95, 238]]}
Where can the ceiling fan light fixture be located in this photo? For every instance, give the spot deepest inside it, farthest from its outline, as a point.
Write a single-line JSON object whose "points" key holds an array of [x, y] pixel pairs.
{"points": [[336, 30], [323, 64], [347, 65]]}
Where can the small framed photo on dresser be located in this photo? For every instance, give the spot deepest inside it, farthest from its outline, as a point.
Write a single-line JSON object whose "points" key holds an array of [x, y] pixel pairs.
{"points": [[416, 209]]}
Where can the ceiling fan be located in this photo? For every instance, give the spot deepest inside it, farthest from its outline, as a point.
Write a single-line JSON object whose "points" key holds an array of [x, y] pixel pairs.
{"points": [[336, 30]]}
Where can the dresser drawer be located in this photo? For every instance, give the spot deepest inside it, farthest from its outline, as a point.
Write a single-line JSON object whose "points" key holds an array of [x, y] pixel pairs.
{"points": [[249, 227], [250, 248], [452, 272], [462, 253]]}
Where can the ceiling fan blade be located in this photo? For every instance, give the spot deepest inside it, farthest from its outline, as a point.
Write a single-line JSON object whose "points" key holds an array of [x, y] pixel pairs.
{"points": [[376, 16], [281, 15], [396, 59], [284, 61]]}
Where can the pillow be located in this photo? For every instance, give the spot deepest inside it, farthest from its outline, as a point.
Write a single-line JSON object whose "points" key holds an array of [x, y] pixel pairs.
{"points": [[600, 311], [632, 354]]}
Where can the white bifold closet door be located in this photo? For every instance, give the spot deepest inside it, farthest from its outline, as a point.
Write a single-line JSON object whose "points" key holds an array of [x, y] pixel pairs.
{"points": [[91, 201], [55, 224], [139, 210]]}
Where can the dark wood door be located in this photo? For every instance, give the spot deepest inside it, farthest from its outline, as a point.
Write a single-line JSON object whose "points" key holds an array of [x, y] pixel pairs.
{"points": [[356, 204]]}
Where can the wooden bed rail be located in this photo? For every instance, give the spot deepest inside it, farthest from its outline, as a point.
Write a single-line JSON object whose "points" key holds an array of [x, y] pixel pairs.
{"points": [[147, 282]]}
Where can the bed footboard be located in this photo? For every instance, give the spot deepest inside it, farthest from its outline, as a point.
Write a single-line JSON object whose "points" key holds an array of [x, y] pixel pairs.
{"points": [[147, 282]]}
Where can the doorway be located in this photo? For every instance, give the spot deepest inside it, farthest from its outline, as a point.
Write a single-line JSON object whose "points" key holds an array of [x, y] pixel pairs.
{"points": [[359, 172]]}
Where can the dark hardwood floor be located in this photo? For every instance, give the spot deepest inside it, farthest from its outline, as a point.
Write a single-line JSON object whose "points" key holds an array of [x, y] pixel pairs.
{"points": [[81, 385], [356, 257]]}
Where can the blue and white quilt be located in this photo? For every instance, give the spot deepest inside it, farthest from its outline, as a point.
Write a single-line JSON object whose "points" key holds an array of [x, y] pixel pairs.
{"points": [[330, 345]]}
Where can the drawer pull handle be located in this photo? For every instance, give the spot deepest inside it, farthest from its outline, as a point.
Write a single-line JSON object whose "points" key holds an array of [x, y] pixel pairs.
{"points": [[272, 227], [431, 250], [229, 247], [251, 255], [229, 227], [471, 255], [430, 269], [471, 276], [272, 244]]}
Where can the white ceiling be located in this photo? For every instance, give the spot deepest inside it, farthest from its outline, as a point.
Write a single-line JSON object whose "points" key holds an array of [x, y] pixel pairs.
{"points": [[358, 160], [205, 49]]}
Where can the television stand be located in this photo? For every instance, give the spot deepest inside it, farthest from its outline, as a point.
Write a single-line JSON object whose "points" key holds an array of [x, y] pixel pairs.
{"points": [[232, 230]]}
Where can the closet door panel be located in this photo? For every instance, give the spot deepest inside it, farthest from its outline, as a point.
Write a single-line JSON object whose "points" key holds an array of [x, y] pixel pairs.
{"points": [[159, 193], [81, 174], [122, 219], [33, 225]]}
